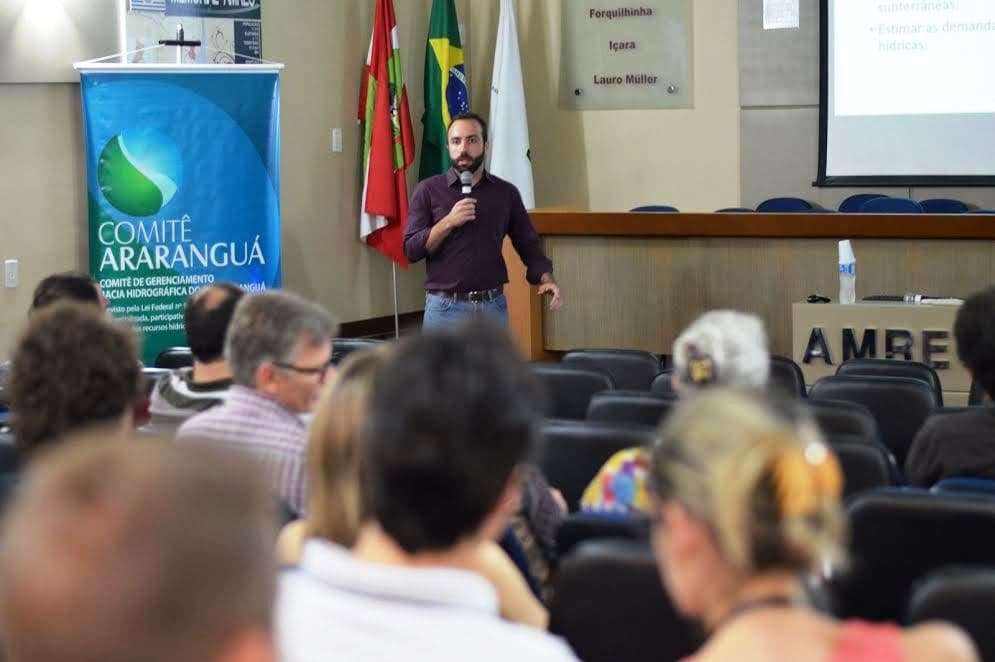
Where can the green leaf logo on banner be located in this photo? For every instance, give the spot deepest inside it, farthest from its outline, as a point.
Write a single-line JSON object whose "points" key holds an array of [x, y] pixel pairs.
{"points": [[139, 173]]}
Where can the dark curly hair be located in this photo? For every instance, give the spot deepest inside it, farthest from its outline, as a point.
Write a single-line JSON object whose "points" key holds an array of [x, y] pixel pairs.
{"points": [[72, 366], [450, 416], [974, 329], [65, 286]]}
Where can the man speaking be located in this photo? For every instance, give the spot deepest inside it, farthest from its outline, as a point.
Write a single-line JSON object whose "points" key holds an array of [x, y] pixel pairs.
{"points": [[458, 221]]}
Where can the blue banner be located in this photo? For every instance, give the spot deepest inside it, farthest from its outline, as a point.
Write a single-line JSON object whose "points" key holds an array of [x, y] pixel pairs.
{"points": [[215, 8], [184, 190]]}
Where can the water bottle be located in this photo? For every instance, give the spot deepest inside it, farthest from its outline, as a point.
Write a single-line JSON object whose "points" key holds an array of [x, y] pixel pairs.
{"points": [[848, 273]]}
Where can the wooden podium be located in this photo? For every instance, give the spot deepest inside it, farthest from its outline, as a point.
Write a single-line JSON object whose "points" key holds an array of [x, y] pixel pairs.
{"points": [[635, 280]]}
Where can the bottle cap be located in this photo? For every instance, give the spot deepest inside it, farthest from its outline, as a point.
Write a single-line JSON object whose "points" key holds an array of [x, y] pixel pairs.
{"points": [[846, 252]]}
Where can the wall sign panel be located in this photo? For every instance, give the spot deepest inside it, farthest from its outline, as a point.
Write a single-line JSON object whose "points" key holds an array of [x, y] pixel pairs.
{"points": [[626, 56]]}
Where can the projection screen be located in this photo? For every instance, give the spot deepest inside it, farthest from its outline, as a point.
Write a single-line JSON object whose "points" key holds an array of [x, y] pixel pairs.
{"points": [[908, 92]]}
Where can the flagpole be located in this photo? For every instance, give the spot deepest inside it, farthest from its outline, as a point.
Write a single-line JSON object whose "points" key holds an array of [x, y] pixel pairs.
{"points": [[397, 318]]}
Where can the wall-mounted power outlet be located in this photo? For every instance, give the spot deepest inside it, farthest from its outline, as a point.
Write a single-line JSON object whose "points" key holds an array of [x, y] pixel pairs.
{"points": [[10, 275], [336, 140]]}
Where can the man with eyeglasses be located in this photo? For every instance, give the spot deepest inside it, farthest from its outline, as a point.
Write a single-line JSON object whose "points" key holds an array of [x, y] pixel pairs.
{"points": [[279, 347], [460, 235]]}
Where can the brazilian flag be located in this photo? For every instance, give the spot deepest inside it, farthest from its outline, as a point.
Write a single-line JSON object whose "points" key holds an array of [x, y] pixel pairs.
{"points": [[446, 93]]}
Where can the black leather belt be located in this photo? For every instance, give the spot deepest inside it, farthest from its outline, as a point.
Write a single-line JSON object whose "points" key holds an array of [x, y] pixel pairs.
{"points": [[475, 296]]}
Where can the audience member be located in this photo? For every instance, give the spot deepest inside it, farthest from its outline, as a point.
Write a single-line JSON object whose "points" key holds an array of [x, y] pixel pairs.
{"points": [[118, 552], [335, 509], [188, 391], [279, 346], [450, 419], [334, 501], [720, 348], [74, 367], [745, 503], [962, 444], [67, 286]]}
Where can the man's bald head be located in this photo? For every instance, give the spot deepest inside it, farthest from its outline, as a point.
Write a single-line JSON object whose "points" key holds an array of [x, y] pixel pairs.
{"points": [[206, 318], [115, 552]]}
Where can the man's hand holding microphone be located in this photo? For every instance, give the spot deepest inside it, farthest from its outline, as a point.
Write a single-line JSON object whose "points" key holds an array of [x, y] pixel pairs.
{"points": [[464, 211]]}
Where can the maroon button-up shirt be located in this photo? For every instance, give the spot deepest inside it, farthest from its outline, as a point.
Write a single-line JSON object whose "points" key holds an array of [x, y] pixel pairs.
{"points": [[470, 257]]}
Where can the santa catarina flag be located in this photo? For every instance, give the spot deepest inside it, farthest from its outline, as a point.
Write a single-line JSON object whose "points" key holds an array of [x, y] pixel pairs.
{"points": [[388, 145], [446, 94]]}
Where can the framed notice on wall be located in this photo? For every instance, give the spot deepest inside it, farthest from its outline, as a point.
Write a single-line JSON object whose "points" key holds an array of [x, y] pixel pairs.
{"points": [[625, 56]]}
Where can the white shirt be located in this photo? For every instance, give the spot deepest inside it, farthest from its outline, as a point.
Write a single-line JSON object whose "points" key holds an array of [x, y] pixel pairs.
{"points": [[336, 607]]}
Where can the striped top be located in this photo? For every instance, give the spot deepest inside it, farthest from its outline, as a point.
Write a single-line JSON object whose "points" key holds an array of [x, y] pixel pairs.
{"points": [[260, 427]]}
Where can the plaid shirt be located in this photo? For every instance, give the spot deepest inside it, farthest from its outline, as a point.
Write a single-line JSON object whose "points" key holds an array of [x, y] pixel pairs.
{"points": [[249, 422]]}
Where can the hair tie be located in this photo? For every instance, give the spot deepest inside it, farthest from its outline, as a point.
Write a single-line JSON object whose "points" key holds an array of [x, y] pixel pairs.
{"points": [[803, 477], [701, 367]]}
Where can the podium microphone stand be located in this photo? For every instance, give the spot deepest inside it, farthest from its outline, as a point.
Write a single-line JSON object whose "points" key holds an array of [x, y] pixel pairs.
{"points": [[179, 42]]}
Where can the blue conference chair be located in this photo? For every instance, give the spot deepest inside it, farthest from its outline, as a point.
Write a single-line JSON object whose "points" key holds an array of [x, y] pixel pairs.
{"points": [[990, 212], [891, 206], [966, 484], [666, 208], [853, 204], [172, 358], [734, 210], [785, 205], [943, 206]]}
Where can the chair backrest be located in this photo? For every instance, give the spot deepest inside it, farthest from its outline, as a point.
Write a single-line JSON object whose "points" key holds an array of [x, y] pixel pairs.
{"points": [[898, 536], [572, 452], [900, 405], [784, 204], [630, 407], [343, 347], [786, 377], [962, 596], [977, 395], [734, 210], [853, 203], [569, 389], [666, 208], [630, 369], [581, 527], [610, 606], [11, 460], [835, 417], [662, 384], [891, 206], [173, 358], [150, 376], [943, 206], [988, 212], [865, 466], [947, 410], [894, 368]]}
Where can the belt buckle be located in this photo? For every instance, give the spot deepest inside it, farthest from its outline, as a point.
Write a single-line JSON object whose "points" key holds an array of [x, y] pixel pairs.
{"points": [[478, 296]]}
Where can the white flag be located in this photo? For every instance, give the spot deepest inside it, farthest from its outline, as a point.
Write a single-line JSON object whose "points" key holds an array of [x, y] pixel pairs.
{"points": [[509, 125]]}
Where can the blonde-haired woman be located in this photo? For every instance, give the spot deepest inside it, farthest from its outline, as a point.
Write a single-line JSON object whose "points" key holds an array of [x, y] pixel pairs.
{"points": [[745, 503], [335, 509]]}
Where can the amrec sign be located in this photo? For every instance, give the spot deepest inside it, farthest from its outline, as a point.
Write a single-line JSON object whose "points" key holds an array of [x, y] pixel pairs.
{"points": [[826, 335], [898, 344]]}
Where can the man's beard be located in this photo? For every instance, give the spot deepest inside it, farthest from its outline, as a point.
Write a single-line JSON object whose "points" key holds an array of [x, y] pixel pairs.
{"points": [[473, 166]]}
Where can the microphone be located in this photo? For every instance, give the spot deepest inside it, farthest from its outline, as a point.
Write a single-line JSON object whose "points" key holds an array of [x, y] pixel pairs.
{"points": [[466, 179]]}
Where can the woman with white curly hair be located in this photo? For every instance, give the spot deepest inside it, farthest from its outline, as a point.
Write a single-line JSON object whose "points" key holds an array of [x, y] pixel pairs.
{"points": [[720, 348]]}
